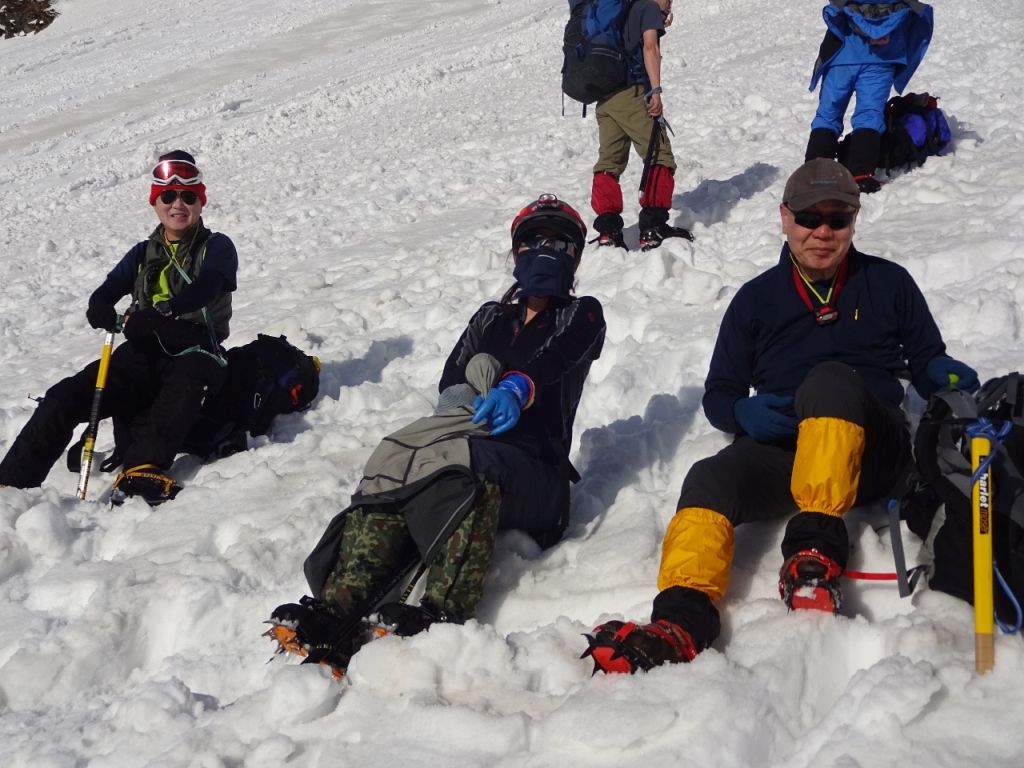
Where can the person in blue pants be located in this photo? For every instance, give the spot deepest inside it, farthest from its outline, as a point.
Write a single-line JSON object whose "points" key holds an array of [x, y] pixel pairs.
{"points": [[870, 47]]}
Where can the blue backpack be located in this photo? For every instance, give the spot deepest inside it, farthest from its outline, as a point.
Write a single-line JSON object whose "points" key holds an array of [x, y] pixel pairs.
{"points": [[915, 128], [596, 62]]}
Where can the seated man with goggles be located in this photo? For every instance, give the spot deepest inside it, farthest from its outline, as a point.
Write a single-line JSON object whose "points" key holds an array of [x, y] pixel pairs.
{"points": [[180, 281], [821, 338]]}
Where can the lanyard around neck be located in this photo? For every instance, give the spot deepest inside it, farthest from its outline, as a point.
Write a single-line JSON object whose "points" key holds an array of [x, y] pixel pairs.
{"points": [[825, 313]]}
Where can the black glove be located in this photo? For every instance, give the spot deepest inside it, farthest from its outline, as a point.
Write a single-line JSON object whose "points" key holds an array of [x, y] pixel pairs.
{"points": [[178, 335], [139, 326], [101, 316]]}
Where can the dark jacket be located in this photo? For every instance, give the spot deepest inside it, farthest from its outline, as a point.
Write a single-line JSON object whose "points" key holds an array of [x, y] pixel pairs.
{"points": [[642, 16], [769, 339], [209, 263], [555, 350]]}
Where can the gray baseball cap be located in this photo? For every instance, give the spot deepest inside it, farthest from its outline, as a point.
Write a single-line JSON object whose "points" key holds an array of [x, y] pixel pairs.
{"points": [[817, 180]]}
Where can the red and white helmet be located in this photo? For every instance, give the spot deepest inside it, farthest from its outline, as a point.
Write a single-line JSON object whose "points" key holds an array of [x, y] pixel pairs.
{"points": [[547, 215]]}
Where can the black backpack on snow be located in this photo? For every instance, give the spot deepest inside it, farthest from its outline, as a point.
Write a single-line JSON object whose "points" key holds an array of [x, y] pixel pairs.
{"points": [[915, 129], [938, 508], [595, 62], [266, 377]]}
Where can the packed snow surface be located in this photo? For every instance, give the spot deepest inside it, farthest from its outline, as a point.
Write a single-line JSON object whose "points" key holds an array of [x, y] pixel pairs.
{"points": [[367, 158]]}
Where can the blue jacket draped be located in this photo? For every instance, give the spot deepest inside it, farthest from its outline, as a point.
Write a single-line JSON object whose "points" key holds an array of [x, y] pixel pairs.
{"points": [[907, 24]]}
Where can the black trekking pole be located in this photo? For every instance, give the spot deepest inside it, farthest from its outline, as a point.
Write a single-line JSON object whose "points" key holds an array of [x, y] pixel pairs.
{"points": [[89, 440], [652, 150]]}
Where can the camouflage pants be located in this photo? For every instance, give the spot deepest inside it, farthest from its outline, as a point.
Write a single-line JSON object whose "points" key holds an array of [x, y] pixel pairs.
{"points": [[376, 544]]}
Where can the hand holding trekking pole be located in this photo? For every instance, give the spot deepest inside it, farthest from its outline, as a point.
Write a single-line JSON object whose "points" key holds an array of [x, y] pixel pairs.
{"points": [[94, 414]]}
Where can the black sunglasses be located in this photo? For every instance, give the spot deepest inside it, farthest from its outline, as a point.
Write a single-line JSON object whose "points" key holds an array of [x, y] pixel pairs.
{"points": [[187, 196], [814, 219]]}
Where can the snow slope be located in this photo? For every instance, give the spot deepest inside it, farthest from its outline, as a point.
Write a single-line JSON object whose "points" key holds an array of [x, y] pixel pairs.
{"points": [[367, 158]]}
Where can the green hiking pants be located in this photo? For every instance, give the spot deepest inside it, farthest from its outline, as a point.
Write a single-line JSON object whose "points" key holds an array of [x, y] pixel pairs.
{"points": [[622, 120], [376, 544]]}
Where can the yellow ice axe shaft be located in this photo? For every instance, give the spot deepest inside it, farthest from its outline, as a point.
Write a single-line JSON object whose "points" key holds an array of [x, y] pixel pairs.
{"points": [[981, 526], [94, 416]]}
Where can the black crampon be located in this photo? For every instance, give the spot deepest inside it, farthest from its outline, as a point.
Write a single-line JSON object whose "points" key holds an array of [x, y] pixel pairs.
{"points": [[312, 630]]}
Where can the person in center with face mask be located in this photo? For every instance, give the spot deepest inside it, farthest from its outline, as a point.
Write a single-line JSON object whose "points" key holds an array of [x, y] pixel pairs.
{"points": [[493, 456]]}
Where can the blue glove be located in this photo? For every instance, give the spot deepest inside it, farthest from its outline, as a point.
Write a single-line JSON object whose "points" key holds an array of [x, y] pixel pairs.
{"points": [[764, 417], [501, 408], [946, 372]]}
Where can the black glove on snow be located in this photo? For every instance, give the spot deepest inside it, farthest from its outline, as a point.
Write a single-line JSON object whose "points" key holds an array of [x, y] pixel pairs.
{"points": [[139, 326], [101, 316]]}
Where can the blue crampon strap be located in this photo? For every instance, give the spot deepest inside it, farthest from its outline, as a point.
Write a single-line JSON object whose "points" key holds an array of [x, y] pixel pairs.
{"points": [[984, 428], [1006, 628]]}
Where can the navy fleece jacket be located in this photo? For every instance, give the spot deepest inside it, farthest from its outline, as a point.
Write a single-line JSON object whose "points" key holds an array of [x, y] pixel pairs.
{"points": [[769, 339]]}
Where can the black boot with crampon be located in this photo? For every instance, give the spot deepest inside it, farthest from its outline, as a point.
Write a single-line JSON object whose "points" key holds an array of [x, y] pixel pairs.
{"points": [[626, 647], [653, 237], [609, 231], [404, 620], [146, 481], [810, 580], [313, 630]]}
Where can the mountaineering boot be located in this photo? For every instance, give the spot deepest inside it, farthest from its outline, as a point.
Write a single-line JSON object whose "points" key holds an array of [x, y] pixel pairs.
{"points": [[406, 620], [863, 157], [609, 230], [147, 482], [312, 629], [626, 647], [614, 238], [867, 183], [810, 580], [823, 142], [653, 237]]}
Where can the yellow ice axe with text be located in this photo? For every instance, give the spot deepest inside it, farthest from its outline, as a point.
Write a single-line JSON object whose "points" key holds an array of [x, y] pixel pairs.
{"points": [[94, 414], [981, 538]]}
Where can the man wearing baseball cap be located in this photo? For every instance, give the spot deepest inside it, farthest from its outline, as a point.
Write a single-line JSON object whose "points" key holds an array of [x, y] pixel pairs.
{"points": [[805, 375], [180, 280]]}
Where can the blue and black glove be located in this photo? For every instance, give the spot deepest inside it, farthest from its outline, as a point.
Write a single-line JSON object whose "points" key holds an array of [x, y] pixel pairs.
{"points": [[946, 372], [503, 404], [766, 418]]}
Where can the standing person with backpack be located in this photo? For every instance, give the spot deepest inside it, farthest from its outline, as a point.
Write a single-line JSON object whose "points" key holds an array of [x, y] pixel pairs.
{"points": [[821, 338], [633, 115], [869, 48], [180, 281], [495, 455]]}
